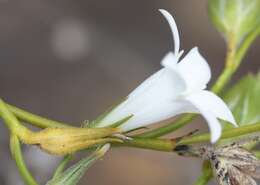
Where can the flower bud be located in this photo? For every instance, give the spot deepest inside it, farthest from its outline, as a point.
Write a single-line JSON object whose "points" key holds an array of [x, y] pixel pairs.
{"points": [[62, 141], [235, 18]]}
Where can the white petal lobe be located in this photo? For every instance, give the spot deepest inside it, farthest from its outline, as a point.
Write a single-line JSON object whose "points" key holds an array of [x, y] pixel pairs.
{"points": [[211, 107], [195, 70], [212, 103], [213, 123]]}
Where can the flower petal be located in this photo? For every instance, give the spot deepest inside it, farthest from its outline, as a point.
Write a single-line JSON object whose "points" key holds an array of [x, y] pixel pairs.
{"points": [[157, 111], [164, 84], [147, 101], [195, 70], [174, 30], [213, 123], [170, 61], [211, 107], [212, 103]]}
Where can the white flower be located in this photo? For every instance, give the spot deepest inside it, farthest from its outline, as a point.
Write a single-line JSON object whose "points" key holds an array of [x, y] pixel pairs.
{"points": [[177, 88]]}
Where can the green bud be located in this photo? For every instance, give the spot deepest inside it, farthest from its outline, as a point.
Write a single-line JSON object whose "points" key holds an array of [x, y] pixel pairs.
{"points": [[235, 19], [62, 141]]}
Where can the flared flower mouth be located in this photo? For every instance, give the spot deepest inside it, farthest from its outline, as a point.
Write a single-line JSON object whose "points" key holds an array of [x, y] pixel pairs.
{"points": [[179, 87]]}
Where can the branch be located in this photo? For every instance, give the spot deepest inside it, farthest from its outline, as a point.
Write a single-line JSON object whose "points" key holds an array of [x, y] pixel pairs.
{"points": [[34, 119]]}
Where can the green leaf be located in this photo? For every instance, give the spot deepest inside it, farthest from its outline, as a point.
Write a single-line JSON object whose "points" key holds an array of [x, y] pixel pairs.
{"points": [[244, 100], [206, 175], [62, 165], [72, 175], [235, 18]]}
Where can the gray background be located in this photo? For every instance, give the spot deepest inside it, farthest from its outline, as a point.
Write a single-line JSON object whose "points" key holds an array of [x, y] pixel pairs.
{"points": [[70, 60]]}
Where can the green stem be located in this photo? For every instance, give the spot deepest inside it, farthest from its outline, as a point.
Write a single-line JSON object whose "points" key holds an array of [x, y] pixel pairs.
{"points": [[33, 119], [243, 130], [169, 144], [12, 123], [241, 51], [206, 174], [166, 145], [223, 79], [18, 157], [233, 59], [229, 69]]}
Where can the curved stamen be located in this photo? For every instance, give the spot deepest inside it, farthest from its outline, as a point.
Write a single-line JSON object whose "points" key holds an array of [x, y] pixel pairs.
{"points": [[174, 30]]}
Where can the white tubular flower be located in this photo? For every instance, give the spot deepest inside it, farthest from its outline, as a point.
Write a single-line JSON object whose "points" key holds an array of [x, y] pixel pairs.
{"points": [[179, 87]]}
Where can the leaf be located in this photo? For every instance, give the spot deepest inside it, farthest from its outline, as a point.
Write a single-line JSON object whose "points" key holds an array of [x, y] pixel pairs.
{"points": [[244, 100], [206, 175], [235, 18], [72, 175]]}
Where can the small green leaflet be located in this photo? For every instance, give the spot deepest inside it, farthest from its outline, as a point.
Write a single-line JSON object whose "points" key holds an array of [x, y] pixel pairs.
{"points": [[244, 100], [72, 175]]}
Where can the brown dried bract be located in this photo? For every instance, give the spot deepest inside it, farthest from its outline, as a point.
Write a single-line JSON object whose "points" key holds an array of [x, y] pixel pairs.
{"points": [[232, 164]]}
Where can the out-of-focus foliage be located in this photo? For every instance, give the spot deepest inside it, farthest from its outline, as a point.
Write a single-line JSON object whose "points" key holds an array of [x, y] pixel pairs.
{"points": [[235, 19], [244, 100]]}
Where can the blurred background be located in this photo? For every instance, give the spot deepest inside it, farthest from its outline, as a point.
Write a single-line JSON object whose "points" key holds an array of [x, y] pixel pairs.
{"points": [[70, 60]]}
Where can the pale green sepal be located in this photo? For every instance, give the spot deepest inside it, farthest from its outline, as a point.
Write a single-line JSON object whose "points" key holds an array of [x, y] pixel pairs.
{"points": [[120, 122], [95, 122]]}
